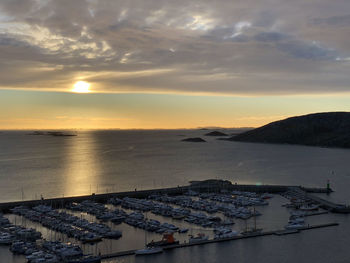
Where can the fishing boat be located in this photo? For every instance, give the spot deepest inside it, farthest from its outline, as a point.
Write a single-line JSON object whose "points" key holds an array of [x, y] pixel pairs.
{"points": [[168, 239]]}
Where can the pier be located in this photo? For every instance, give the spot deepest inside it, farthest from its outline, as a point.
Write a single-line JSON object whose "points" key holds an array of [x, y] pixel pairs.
{"points": [[300, 192], [222, 191], [210, 241]]}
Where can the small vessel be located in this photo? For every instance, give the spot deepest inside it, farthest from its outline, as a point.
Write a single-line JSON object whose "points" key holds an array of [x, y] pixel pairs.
{"points": [[91, 238], [266, 196], [294, 226], [296, 220], [149, 251], [150, 248], [183, 230], [5, 239], [199, 238], [253, 231], [309, 207], [168, 239]]}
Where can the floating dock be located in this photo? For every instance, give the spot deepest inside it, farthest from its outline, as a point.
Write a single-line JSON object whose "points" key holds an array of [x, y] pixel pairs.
{"points": [[208, 186], [210, 241], [301, 192]]}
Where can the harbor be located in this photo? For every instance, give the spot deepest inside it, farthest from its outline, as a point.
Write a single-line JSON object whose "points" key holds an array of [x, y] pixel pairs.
{"points": [[92, 228]]}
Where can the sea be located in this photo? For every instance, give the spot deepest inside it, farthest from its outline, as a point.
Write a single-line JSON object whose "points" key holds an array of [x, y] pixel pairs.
{"points": [[103, 161]]}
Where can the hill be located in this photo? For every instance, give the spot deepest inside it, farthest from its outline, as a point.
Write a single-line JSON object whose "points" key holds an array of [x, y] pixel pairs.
{"points": [[329, 129]]}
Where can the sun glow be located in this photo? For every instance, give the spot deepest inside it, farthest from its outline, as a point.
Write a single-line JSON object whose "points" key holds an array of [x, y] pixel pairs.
{"points": [[81, 87]]}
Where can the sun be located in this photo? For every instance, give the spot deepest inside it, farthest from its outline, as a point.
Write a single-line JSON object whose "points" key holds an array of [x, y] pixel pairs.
{"points": [[81, 87]]}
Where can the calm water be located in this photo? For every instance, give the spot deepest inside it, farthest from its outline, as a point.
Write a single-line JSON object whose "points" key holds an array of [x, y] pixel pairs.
{"points": [[106, 161]]}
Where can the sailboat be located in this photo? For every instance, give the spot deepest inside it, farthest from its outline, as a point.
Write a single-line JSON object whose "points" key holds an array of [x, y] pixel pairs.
{"points": [[253, 231], [148, 250]]}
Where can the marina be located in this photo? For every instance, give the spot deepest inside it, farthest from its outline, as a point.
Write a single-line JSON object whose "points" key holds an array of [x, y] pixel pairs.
{"points": [[214, 208]]}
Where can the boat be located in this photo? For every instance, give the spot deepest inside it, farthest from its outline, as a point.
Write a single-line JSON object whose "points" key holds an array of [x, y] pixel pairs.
{"points": [[309, 207], [221, 233], [266, 196], [296, 220], [149, 251], [183, 230], [294, 226], [5, 239], [168, 239], [199, 238], [252, 231], [178, 216], [91, 238]]}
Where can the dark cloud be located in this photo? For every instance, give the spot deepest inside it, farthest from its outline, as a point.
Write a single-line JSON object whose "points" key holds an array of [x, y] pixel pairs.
{"points": [[334, 21], [271, 37]]}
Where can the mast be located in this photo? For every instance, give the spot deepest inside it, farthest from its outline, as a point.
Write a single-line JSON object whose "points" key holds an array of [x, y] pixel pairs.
{"points": [[254, 219], [146, 233]]}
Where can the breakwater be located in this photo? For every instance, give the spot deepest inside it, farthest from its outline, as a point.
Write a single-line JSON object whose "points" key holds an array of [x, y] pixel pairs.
{"points": [[210, 241], [198, 186]]}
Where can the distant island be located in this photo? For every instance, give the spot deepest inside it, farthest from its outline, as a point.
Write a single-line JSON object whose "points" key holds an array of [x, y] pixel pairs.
{"points": [[329, 129], [216, 133], [195, 139], [52, 133]]}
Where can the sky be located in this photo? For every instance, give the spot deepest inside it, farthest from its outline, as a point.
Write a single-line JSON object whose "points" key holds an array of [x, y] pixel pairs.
{"points": [[171, 64]]}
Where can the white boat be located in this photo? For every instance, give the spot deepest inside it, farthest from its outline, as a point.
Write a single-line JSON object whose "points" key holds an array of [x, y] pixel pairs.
{"points": [[149, 251], [296, 220], [6, 239], [294, 226], [199, 238], [309, 207]]}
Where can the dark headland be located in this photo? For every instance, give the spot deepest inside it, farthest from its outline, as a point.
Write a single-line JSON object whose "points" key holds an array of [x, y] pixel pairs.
{"points": [[329, 129], [195, 139], [216, 133]]}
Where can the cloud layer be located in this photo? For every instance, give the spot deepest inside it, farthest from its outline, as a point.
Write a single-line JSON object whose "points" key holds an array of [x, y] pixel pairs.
{"points": [[251, 47]]}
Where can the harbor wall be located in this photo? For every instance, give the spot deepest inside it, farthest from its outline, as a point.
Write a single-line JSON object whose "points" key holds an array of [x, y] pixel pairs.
{"points": [[198, 186]]}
